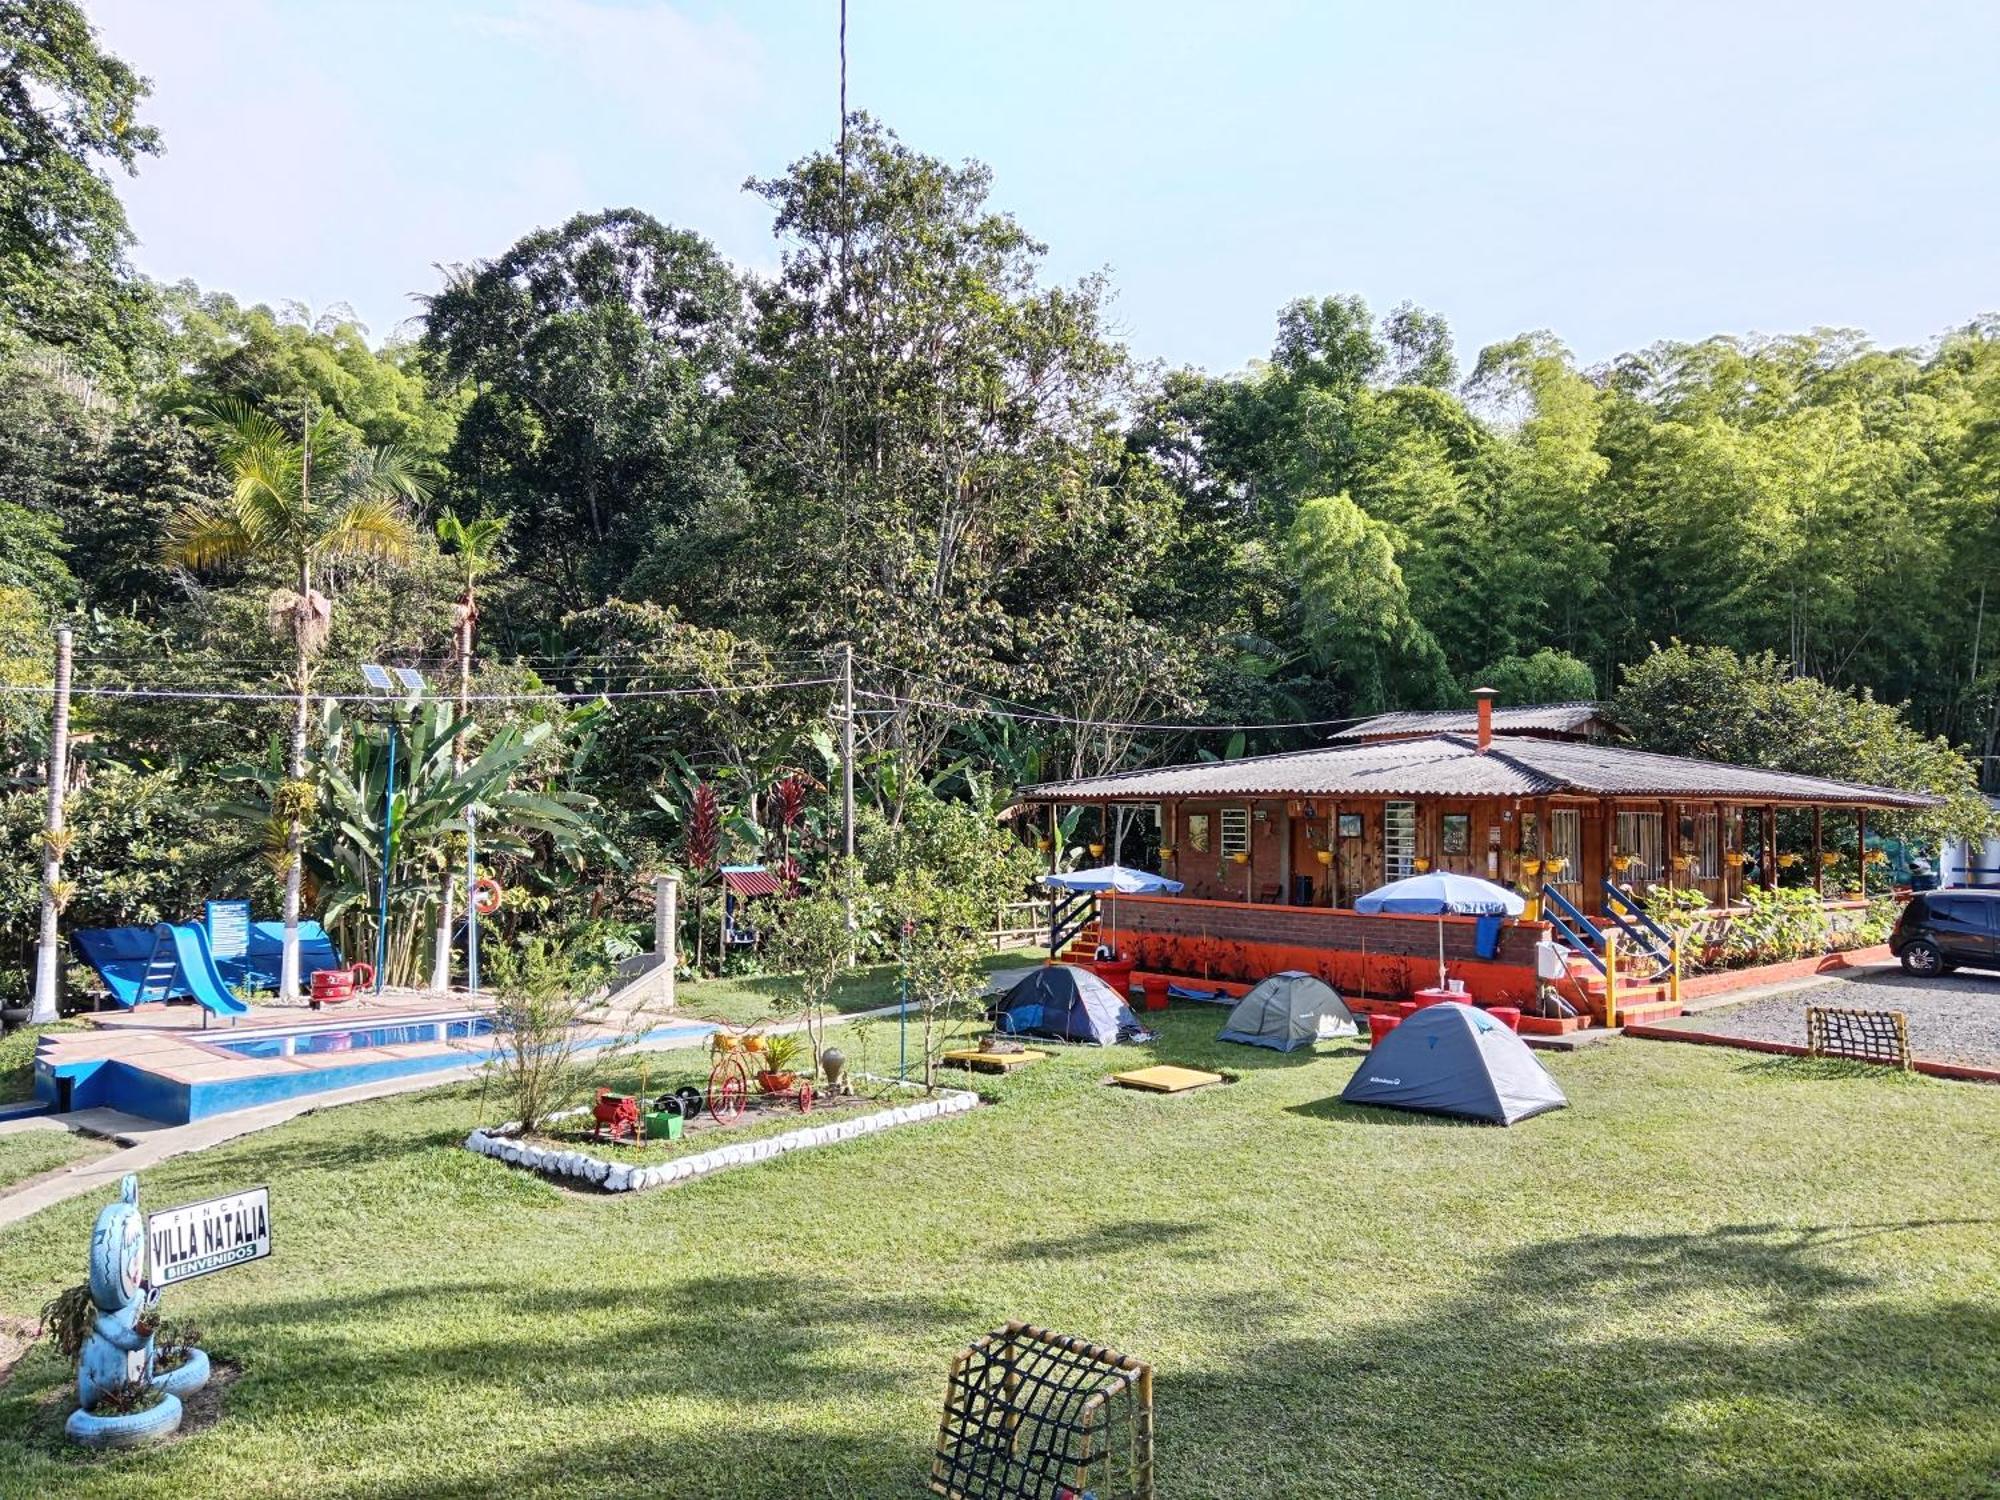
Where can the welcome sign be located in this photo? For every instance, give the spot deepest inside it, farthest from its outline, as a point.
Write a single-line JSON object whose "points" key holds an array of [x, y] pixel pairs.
{"points": [[214, 1235]]}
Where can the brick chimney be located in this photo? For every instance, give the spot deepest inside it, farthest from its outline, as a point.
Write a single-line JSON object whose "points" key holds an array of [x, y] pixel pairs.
{"points": [[1485, 697]]}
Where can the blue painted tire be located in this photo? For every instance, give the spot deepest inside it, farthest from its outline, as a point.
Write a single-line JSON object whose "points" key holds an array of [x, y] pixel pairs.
{"points": [[187, 1378], [134, 1431]]}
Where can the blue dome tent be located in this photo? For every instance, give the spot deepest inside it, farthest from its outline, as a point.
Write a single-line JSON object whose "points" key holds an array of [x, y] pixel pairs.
{"points": [[1451, 1059], [1070, 1005]]}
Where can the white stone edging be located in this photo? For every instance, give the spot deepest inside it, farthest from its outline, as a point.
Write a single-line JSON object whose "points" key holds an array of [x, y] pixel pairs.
{"points": [[621, 1177]]}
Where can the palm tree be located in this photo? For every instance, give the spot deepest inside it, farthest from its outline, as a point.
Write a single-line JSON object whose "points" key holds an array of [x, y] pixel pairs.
{"points": [[476, 547], [299, 503]]}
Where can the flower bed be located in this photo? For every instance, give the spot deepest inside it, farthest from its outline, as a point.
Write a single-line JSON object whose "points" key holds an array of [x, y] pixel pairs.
{"points": [[583, 1169]]}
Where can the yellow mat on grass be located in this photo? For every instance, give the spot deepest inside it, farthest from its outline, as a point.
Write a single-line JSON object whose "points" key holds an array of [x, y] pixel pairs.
{"points": [[1166, 1079]]}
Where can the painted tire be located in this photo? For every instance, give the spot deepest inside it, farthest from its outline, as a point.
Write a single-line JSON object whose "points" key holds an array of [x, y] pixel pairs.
{"points": [[134, 1431], [188, 1378]]}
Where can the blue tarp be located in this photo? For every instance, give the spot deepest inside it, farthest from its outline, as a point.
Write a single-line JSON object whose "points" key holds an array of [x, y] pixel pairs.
{"points": [[1441, 893], [1071, 1005], [1452, 1059], [119, 955], [1119, 878]]}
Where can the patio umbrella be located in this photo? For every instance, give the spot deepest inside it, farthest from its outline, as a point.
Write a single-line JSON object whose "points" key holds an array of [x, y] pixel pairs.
{"points": [[1441, 893], [1113, 880]]}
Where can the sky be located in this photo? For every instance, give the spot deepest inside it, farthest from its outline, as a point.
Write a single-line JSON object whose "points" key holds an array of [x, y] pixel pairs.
{"points": [[1617, 172]]}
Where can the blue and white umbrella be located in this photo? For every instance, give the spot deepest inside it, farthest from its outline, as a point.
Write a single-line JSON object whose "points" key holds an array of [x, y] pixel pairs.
{"points": [[1115, 878], [1440, 894]]}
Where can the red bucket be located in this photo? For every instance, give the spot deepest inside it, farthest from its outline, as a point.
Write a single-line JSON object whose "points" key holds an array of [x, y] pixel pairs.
{"points": [[1507, 1015]]}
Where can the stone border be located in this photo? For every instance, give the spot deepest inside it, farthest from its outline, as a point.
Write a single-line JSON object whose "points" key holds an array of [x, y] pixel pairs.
{"points": [[583, 1169]]}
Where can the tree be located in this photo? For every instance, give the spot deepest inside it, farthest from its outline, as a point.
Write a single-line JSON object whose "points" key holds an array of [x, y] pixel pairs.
{"points": [[1354, 607], [1549, 676], [596, 354], [475, 552], [67, 114], [297, 504], [1707, 701]]}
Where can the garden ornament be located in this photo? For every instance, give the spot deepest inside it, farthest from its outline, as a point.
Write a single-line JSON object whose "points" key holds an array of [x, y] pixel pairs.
{"points": [[116, 1352], [833, 1067]]}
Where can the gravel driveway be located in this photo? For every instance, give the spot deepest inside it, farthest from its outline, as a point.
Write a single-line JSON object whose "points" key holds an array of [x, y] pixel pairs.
{"points": [[1954, 1018]]}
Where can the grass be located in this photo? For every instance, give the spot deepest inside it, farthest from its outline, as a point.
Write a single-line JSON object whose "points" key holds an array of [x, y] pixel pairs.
{"points": [[1715, 1275], [17, 1059], [742, 1000], [28, 1153]]}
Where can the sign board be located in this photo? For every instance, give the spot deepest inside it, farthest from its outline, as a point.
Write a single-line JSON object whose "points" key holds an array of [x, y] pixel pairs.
{"points": [[228, 928], [197, 1238]]}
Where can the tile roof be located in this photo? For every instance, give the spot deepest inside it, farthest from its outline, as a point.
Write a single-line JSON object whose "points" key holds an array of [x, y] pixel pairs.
{"points": [[1450, 765], [1580, 716]]}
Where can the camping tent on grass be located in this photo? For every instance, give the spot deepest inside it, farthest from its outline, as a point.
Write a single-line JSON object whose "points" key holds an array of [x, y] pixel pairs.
{"points": [[1453, 1059], [1069, 1004], [1287, 1011]]}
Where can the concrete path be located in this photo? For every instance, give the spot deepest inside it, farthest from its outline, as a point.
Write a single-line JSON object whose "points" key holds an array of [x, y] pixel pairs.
{"points": [[149, 1142]]}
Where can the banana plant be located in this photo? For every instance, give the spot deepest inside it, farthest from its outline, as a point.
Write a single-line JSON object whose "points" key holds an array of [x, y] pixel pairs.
{"points": [[523, 822]]}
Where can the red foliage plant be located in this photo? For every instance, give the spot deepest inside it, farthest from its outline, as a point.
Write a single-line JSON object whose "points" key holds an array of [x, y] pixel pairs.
{"points": [[704, 828]]}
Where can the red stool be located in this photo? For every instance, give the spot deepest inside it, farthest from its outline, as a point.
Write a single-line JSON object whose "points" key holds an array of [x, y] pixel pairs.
{"points": [[1380, 1025], [1507, 1015], [1154, 987], [1407, 1008]]}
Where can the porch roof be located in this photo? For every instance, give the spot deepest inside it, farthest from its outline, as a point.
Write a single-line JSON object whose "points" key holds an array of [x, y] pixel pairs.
{"points": [[1451, 765]]}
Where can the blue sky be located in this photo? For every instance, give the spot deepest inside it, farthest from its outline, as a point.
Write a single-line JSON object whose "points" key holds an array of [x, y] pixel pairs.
{"points": [[1617, 172]]}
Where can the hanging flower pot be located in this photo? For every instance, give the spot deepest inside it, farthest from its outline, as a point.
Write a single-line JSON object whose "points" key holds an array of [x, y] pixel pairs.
{"points": [[1420, 865], [1531, 864], [1241, 857], [1554, 867], [1786, 861], [1733, 859], [1166, 851], [1096, 851], [1828, 858], [1623, 862], [1044, 845], [1324, 856]]}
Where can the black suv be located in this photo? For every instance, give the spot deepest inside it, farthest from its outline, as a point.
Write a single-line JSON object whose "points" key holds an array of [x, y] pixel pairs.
{"points": [[1939, 930]]}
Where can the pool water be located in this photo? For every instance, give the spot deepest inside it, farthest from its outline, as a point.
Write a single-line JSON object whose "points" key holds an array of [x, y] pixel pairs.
{"points": [[292, 1044]]}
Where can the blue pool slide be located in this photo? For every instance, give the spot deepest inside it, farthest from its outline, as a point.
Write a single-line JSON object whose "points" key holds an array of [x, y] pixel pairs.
{"points": [[185, 945], [123, 958]]}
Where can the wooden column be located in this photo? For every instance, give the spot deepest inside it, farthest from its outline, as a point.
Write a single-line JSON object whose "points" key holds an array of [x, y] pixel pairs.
{"points": [[1861, 847], [1768, 865], [1819, 848]]}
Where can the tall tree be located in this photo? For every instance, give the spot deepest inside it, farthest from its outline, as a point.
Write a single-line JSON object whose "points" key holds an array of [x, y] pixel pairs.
{"points": [[475, 551], [67, 115], [595, 354], [297, 503]]}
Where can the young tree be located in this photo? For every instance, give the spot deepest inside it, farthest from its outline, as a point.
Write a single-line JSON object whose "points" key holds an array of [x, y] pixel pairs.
{"points": [[476, 551], [298, 503], [816, 938]]}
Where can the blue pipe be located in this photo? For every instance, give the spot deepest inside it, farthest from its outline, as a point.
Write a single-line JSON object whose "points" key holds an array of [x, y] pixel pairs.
{"points": [[388, 843]]}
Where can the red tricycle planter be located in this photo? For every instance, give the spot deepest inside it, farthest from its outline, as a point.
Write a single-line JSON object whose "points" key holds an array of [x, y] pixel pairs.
{"points": [[335, 986]]}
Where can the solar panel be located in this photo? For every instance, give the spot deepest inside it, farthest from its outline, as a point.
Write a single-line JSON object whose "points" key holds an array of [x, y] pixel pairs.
{"points": [[378, 678], [412, 680]]}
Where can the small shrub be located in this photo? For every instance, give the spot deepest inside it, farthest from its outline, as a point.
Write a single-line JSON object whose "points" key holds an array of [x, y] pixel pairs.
{"points": [[1777, 926], [66, 1320], [127, 1398], [546, 993], [781, 1051], [173, 1343]]}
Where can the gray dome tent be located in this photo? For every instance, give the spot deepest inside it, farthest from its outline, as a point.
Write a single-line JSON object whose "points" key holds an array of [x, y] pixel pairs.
{"points": [[1287, 1011], [1453, 1059], [1070, 1005]]}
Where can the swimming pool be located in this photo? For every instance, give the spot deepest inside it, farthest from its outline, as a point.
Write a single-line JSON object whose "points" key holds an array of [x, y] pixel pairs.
{"points": [[306, 1043]]}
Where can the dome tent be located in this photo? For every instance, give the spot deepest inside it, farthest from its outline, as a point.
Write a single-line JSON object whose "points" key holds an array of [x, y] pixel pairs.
{"points": [[1288, 1011], [1452, 1059], [1068, 1004]]}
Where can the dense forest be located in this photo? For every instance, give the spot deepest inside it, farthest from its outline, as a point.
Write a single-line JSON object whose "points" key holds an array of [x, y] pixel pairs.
{"points": [[645, 499]]}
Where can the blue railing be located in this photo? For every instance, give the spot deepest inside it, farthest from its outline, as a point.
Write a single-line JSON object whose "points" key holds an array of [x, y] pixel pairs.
{"points": [[1069, 915], [1648, 938], [1573, 927]]}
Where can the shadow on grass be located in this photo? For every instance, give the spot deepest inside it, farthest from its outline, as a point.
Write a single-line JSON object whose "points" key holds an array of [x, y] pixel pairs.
{"points": [[1738, 1361], [1112, 1239]]}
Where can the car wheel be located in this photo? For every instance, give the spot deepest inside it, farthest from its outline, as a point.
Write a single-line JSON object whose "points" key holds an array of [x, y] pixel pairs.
{"points": [[1922, 958]]}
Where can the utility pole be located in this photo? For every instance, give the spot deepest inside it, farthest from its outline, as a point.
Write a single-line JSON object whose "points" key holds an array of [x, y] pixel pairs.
{"points": [[48, 967], [847, 748]]}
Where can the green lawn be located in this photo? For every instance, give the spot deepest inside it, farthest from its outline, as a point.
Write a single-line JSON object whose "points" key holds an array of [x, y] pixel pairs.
{"points": [[17, 1059], [27, 1153], [1715, 1275], [769, 997]]}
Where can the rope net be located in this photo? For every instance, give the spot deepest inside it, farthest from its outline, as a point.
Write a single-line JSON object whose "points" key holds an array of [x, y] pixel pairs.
{"points": [[1878, 1036], [1034, 1415]]}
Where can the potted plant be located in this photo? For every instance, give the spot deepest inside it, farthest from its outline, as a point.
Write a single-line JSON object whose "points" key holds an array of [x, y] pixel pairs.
{"points": [[1623, 861], [1097, 851], [1240, 857], [1733, 859], [1324, 856], [1420, 865], [1554, 866], [1166, 851], [1531, 864], [180, 1364], [781, 1052]]}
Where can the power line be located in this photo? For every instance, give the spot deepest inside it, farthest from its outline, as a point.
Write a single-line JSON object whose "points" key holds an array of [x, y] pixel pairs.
{"points": [[1073, 721], [552, 694]]}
